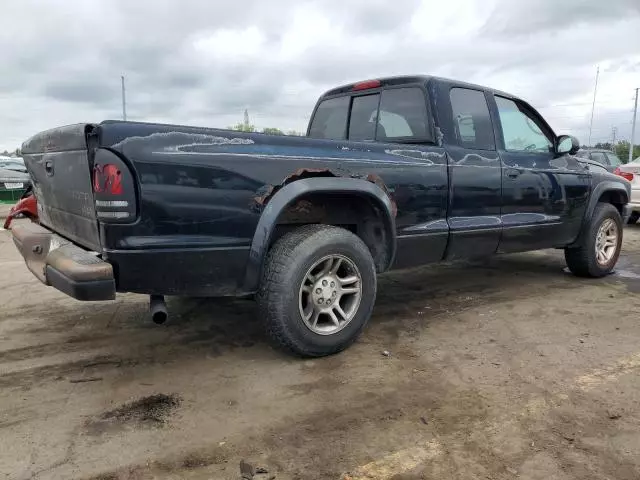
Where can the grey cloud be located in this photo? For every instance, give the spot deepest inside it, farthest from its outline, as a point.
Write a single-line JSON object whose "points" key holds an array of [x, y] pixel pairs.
{"points": [[80, 91], [518, 17], [68, 55]]}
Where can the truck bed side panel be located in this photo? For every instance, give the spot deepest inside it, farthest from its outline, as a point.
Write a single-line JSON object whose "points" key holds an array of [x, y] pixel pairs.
{"points": [[202, 190]]}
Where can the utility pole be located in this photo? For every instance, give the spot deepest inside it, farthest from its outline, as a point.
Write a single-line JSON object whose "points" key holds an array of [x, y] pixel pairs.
{"points": [[246, 120], [633, 128], [124, 100], [593, 106]]}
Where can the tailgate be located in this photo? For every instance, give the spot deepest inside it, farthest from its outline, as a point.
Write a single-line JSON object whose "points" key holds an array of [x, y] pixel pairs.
{"points": [[58, 162]]}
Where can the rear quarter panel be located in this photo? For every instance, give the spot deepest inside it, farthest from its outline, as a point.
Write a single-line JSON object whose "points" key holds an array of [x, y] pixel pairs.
{"points": [[200, 189]]}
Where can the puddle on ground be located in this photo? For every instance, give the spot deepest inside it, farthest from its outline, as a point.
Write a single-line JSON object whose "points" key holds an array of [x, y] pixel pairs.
{"points": [[626, 274]]}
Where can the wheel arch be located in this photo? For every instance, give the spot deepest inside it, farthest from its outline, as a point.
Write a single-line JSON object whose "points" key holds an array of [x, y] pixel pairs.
{"points": [[610, 192], [358, 189]]}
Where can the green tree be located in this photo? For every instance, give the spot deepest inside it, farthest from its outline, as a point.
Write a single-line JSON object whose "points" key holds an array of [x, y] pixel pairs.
{"points": [[604, 146], [243, 127], [272, 131], [622, 150]]}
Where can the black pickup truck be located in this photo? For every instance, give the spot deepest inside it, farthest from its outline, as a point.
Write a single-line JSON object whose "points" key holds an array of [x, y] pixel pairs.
{"points": [[393, 173]]}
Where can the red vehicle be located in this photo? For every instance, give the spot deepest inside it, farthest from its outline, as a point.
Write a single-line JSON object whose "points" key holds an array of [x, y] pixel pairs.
{"points": [[27, 206]]}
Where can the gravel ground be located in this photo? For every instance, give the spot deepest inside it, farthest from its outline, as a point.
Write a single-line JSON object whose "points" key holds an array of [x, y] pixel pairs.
{"points": [[506, 369]]}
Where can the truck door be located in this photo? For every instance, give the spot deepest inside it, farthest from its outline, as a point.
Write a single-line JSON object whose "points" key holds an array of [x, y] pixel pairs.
{"points": [[543, 195], [474, 173]]}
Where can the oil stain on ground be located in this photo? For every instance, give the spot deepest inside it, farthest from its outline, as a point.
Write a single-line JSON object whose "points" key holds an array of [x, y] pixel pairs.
{"points": [[150, 411]]}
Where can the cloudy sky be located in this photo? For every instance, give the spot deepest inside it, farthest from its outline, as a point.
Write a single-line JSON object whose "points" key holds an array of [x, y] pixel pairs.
{"points": [[203, 63]]}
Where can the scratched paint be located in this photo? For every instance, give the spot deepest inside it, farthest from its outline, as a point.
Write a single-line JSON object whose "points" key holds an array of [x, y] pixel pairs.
{"points": [[178, 141]]}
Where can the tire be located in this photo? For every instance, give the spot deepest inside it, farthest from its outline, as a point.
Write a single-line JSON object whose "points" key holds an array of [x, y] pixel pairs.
{"points": [[583, 260], [292, 262], [633, 219]]}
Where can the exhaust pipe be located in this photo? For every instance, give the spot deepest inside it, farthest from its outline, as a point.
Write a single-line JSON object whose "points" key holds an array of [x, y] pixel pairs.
{"points": [[158, 309]]}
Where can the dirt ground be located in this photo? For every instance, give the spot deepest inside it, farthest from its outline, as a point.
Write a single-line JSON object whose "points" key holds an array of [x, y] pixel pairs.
{"points": [[506, 369]]}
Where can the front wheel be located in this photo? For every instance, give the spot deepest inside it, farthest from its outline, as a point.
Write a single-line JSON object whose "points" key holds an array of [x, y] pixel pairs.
{"points": [[318, 290], [600, 248]]}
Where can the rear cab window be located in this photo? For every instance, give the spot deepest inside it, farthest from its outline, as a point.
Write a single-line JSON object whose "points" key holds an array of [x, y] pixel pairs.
{"points": [[330, 119], [392, 115]]}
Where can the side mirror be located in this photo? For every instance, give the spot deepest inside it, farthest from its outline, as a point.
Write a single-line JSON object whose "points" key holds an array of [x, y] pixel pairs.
{"points": [[567, 144]]}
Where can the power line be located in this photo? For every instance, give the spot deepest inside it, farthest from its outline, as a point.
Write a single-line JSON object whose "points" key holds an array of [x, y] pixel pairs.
{"points": [[124, 101], [633, 128], [610, 114]]}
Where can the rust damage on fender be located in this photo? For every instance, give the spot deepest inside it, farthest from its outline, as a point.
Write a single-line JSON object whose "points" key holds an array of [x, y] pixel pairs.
{"points": [[268, 191]]}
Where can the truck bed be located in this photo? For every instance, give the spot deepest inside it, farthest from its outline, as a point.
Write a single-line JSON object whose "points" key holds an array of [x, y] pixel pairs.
{"points": [[199, 194]]}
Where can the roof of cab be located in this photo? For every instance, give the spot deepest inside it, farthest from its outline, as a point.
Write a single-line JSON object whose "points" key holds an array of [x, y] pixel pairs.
{"points": [[413, 79]]}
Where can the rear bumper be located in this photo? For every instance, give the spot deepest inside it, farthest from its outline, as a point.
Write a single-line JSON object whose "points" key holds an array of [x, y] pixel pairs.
{"points": [[59, 263]]}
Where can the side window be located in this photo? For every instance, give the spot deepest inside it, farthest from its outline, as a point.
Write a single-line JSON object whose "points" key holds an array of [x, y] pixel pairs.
{"points": [[599, 157], [364, 112], [330, 119], [471, 119], [403, 115], [520, 130]]}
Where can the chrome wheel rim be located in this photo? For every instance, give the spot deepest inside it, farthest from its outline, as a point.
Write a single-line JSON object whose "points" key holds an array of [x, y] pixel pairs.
{"points": [[330, 294], [606, 241]]}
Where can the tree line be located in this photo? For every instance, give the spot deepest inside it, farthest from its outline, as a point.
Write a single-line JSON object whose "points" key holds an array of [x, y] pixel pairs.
{"points": [[15, 153], [246, 127]]}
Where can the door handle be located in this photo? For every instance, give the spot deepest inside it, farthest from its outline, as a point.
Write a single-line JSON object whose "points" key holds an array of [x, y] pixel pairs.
{"points": [[513, 173]]}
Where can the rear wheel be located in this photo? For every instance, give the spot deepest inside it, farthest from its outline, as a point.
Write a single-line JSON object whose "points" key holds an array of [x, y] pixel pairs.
{"points": [[633, 219], [318, 290], [600, 247]]}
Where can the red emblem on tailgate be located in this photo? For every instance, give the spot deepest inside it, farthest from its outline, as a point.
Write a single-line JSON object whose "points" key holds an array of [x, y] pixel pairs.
{"points": [[107, 179]]}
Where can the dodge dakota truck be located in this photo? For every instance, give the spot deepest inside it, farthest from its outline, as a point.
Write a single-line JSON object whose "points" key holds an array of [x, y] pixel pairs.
{"points": [[393, 173]]}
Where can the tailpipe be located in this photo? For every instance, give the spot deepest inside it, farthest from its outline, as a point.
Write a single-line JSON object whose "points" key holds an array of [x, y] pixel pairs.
{"points": [[158, 309]]}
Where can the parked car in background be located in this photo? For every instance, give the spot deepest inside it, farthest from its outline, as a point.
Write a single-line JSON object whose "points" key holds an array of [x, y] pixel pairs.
{"points": [[12, 184], [13, 163], [631, 171], [606, 158]]}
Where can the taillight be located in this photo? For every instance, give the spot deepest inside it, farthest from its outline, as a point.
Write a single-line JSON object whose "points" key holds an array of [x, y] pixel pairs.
{"points": [[626, 175], [113, 188]]}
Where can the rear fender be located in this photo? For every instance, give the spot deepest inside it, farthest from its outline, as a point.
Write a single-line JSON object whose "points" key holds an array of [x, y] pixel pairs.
{"points": [[289, 193]]}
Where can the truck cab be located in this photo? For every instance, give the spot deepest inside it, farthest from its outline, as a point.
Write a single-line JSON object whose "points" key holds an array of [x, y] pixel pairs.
{"points": [[510, 185]]}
